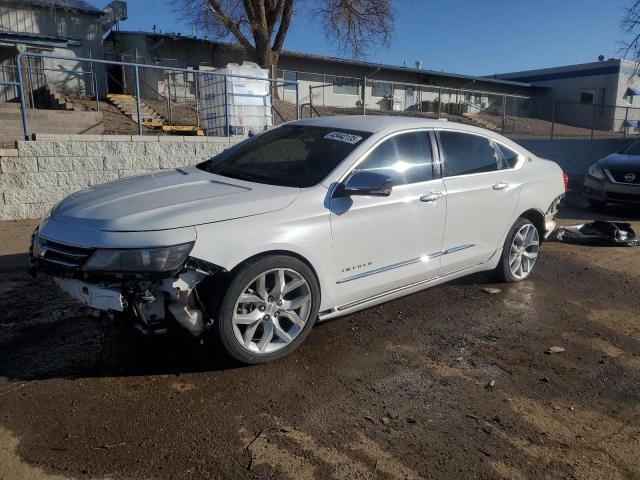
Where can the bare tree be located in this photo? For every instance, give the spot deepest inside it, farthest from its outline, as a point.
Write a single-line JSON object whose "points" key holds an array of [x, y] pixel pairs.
{"points": [[631, 29], [260, 26]]}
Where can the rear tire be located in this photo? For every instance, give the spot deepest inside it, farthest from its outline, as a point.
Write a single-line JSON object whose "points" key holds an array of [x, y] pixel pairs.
{"points": [[267, 310], [520, 252]]}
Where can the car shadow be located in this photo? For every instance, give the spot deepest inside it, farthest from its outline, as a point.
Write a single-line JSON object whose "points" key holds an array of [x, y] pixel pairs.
{"points": [[44, 334]]}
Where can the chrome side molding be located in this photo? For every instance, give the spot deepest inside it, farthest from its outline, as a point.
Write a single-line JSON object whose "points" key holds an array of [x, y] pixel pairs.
{"points": [[404, 263]]}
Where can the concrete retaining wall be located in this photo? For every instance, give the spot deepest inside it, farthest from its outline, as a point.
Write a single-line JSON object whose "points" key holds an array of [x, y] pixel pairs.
{"points": [[575, 156], [38, 174]]}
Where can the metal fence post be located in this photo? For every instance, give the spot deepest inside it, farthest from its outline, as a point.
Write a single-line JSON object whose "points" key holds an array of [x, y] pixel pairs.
{"points": [[30, 83], [124, 75], [625, 125], [298, 115], [226, 108], [311, 101], [195, 79], [504, 113], [137, 73], [169, 111], [95, 83], [23, 101], [364, 95], [593, 120], [553, 118], [439, 100]]}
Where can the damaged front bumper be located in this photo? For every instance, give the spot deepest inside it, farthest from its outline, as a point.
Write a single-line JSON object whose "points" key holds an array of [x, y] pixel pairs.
{"points": [[152, 299], [94, 296]]}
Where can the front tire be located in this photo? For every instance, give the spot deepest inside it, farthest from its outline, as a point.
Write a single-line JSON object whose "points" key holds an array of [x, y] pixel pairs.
{"points": [[520, 252], [268, 309]]}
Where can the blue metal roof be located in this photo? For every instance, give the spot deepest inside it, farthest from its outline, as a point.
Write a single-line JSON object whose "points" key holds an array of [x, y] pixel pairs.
{"points": [[79, 5]]}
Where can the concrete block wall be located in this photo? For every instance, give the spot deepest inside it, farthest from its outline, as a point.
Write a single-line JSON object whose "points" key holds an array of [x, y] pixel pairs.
{"points": [[38, 174]]}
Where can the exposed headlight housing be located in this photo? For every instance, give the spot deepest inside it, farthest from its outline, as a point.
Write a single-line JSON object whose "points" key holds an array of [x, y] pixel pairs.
{"points": [[596, 172], [139, 260]]}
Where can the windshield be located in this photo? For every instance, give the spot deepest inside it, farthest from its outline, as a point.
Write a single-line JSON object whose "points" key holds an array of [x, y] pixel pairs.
{"points": [[632, 149], [290, 156]]}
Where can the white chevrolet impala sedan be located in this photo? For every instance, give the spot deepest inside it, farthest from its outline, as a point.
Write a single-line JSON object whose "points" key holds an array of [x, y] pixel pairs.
{"points": [[305, 222]]}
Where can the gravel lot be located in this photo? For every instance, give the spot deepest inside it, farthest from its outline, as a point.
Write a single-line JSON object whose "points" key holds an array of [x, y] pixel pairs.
{"points": [[449, 383]]}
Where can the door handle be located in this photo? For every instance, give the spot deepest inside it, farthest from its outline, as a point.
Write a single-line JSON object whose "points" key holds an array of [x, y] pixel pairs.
{"points": [[432, 197], [501, 185]]}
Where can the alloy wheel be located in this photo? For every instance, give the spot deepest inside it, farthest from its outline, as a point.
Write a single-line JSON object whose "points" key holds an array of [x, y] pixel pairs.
{"points": [[272, 310], [524, 251]]}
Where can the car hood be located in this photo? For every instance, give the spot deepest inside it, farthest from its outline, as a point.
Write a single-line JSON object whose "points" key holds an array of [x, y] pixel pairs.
{"points": [[170, 199], [620, 161]]}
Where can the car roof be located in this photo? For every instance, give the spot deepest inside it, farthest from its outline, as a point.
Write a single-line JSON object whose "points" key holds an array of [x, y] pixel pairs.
{"points": [[375, 123], [392, 123]]}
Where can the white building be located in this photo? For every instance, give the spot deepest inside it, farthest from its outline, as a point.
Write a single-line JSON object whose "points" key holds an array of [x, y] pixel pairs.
{"points": [[71, 28], [600, 94]]}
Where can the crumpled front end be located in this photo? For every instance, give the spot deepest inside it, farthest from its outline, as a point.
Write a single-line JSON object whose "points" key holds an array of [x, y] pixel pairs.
{"points": [[152, 286]]}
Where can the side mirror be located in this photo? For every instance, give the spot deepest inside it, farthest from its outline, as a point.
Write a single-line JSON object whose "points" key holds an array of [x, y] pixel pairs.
{"points": [[366, 183]]}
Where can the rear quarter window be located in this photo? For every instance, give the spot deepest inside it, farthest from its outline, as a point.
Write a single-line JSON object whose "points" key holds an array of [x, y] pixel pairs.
{"points": [[509, 157]]}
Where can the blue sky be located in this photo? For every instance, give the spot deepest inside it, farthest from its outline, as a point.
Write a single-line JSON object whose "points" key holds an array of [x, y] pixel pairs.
{"points": [[462, 36]]}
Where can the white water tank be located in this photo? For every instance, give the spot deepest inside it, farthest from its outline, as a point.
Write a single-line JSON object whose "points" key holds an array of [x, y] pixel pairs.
{"points": [[248, 100]]}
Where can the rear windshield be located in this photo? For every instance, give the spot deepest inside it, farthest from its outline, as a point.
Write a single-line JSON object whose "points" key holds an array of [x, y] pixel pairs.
{"points": [[632, 149], [290, 156]]}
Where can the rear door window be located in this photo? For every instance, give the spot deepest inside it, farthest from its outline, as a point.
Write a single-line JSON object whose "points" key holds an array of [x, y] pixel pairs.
{"points": [[465, 154]]}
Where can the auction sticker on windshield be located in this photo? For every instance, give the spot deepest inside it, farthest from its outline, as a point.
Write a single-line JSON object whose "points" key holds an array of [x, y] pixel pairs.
{"points": [[343, 137]]}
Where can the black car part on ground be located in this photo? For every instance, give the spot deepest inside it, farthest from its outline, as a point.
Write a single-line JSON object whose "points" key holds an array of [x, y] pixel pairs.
{"points": [[599, 233]]}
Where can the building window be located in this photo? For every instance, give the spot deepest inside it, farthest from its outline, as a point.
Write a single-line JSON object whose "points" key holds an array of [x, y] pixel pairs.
{"points": [[346, 86], [381, 89], [631, 93], [586, 96], [290, 76]]}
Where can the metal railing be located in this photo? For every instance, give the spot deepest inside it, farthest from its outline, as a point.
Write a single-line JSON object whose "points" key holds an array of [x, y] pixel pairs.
{"points": [[185, 89], [226, 110], [511, 115]]}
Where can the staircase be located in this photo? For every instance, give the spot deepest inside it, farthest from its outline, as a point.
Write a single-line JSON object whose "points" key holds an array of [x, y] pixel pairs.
{"points": [[46, 121], [48, 98], [127, 105], [150, 118]]}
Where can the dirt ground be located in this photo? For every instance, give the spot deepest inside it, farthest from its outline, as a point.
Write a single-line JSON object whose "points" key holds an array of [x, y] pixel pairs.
{"points": [[449, 383]]}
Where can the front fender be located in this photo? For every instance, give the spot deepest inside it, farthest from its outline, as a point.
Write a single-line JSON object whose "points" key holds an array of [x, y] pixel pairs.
{"points": [[229, 243]]}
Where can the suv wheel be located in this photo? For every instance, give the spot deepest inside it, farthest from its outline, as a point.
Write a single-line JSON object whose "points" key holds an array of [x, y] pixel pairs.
{"points": [[520, 251], [268, 309]]}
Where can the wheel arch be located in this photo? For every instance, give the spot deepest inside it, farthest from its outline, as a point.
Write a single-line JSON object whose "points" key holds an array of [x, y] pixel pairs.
{"points": [[289, 253], [536, 217]]}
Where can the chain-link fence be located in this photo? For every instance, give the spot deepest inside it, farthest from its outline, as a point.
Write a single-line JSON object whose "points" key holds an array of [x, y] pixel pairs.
{"points": [[85, 95], [138, 95], [511, 115]]}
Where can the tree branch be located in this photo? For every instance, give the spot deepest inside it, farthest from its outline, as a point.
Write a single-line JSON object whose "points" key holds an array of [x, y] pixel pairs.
{"points": [[287, 13], [233, 27]]}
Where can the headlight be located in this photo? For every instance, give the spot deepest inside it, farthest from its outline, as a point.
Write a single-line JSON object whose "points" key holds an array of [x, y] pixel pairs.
{"points": [[596, 172], [161, 259]]}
